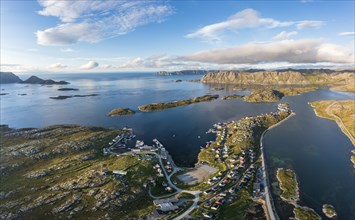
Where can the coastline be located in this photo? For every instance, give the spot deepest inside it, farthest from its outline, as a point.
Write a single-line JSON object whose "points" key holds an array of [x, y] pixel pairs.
{"points": [[338, 121], [271, 211], [290, 201]]}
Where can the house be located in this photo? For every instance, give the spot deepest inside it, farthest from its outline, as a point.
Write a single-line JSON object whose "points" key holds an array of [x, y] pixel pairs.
{"points": [[119, 172], [256, 187], [164, 154]]}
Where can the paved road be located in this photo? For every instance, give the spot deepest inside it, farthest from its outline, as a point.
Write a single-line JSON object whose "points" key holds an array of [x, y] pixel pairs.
{"points": [[269, 204], [340, 123]]}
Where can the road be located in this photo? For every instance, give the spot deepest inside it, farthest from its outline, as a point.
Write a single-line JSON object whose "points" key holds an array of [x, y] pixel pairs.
{"points": [[340, 123], [269, 204]]}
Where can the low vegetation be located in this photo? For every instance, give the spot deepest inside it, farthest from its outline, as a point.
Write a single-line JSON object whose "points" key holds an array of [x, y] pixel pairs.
{"points": [[288, 184], [61, 172], [341, 111], [264, 95], [305, 213], [329, 210], [165, 105], [232, 97], [120, 111], [293, 91]]}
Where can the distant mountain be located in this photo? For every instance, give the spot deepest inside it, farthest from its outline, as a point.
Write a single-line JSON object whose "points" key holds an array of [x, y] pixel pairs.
{"points": [[8, 77], [182, 72], [37, 80]]}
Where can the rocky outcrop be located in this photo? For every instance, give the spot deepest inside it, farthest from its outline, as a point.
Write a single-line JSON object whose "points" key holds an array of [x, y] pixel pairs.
{"points": [[283, 77]]}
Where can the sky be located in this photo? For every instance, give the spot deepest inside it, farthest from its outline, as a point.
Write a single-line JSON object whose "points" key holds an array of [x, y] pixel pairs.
{"points": [[69, 36]]}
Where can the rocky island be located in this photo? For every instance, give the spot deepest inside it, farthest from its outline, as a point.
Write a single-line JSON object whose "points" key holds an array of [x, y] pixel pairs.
{"points": [[120, 111], [8, 77], [67, 89], [165, 105], [329, 210], [232, 97], [62, 97], [264, 95], [288, 185]]}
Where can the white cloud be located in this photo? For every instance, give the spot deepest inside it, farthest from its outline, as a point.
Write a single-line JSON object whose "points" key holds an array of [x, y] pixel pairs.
{"points": [[90, 65], [309, 24], [66, 50], [284, 35], [94, 20], [291, 51], [347, 34], [248, 18], [106, 66], [57, 66]]}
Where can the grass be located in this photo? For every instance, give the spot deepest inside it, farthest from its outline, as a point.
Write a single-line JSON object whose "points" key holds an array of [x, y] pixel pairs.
{"points": [[341, 111], [237, 209], [288, 184], [120, 111], [184, 195], [264, 95], [65, 148], [305, 213], [329, 210]]}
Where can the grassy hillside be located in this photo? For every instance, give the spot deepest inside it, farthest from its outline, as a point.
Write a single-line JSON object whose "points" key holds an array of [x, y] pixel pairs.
{"points": [[60, 172], [343, 112]]}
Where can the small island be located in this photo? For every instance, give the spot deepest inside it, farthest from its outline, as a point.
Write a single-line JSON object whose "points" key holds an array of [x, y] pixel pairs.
{"points": [[329, 210], [217, 88], [120, 112], [165, 105], [62, 97], [264, 95], [232, 97], [288, 185], [305, 213], [67, 89]]}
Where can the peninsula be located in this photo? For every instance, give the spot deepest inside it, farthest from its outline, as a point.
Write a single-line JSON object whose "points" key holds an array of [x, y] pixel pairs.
{"points": [[120, 112], [341, 111], [164, 105]]}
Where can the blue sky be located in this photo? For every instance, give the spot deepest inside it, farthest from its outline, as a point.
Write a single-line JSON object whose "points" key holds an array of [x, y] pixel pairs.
{"points": [[122, 35]]}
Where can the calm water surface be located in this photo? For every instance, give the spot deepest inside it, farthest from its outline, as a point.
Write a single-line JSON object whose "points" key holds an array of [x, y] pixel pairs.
{"points": [[314, 147]]}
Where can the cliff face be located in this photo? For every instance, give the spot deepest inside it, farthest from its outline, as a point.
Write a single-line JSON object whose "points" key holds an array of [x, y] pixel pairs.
{"points": [[8, 77], [277, 77]]}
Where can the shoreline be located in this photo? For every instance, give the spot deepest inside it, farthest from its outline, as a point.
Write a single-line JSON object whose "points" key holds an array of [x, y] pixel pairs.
{"points": [[340, 124], [271, 211], [290, 201]]}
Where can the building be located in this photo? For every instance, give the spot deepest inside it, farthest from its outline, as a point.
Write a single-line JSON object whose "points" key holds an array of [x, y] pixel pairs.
{"points": [[119, 172], [166, 205]]}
